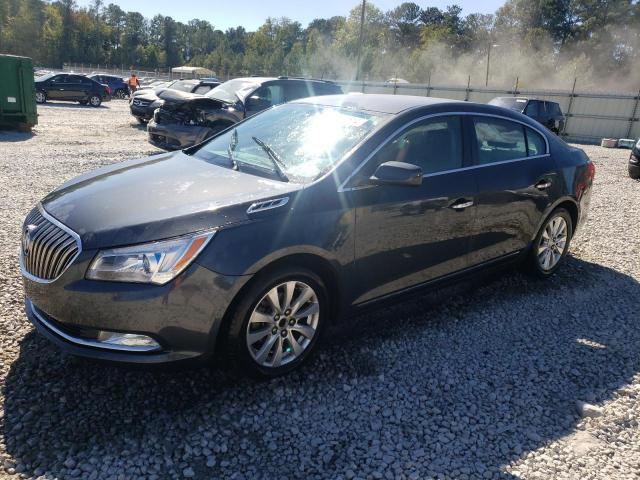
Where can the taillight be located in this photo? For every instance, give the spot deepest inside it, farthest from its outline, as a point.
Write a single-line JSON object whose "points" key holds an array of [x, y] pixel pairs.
{"points": [[107, 89], [591, 170]]}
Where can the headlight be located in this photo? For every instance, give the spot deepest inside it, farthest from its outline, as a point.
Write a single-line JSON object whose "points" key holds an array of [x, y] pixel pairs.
{"points": [[638, 144], [156, 262]]}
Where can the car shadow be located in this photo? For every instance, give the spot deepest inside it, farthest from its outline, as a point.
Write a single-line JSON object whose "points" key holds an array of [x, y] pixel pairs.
{"points": [[54, 104], [9, 135], [464, 380]]}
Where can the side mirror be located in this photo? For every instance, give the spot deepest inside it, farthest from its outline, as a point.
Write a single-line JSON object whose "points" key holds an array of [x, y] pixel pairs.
{"points": [[397, 173]]}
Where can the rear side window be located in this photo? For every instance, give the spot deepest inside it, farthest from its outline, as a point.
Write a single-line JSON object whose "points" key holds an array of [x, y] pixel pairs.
{"points": [[435, 145], [499, 140], [535, 143], [294, 90]]}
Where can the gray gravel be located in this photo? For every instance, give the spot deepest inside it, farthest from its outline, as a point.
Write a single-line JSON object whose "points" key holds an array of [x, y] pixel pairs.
{"points": [[505, 378]]}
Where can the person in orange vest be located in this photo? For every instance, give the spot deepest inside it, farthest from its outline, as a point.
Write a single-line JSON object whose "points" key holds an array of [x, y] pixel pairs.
{"points": [[133, 83]]}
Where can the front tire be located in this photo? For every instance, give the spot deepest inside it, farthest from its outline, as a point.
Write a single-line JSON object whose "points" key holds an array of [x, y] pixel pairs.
{"points": [[278, 322], [95, 101], [551, 245]]}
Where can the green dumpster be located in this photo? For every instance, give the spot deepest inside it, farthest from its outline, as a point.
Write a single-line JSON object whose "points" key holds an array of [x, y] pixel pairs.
{"points": [[17, 93]]}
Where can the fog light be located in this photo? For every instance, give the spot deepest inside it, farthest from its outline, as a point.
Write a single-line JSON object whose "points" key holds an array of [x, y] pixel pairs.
{"points": [[633, 159], [131, 341]]}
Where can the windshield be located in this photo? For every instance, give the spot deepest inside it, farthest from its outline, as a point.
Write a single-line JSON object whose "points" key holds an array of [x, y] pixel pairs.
{"points": [[511, 103], [46, 76], [300, 141], [227, 91]]}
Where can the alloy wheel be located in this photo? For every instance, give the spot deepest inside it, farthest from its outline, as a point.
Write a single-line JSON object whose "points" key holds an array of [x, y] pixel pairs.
{"points": [[552, 243], [40, 97], [283, 324], [95, 101]]}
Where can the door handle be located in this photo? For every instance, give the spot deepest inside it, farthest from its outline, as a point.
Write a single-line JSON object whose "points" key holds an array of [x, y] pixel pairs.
{"points": [[543, 184], [462, 204]]}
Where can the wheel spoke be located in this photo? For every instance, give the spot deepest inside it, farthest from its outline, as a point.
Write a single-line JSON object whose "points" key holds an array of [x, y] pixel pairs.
{"points": [[289, 287], [263, 353], [297, 348], [259, 317], [274, 301], [303, 298], [304, 330], [258, 335], [311, 309], [277, 355]]}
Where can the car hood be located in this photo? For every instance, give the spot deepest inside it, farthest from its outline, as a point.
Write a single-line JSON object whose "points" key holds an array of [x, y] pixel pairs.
{"points": [[175, 100], [157, 197]]}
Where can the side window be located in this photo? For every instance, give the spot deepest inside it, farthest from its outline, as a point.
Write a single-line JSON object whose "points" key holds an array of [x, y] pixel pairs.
{"points": [[535, 143], [532, 109], [499, 140], [435, 145], [202, 89], [59, 79], [554, 109], [295, 90], [269, 95]]}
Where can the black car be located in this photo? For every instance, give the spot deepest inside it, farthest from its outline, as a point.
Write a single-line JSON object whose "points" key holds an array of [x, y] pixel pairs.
{"points": [[117, 85], [185, 120], [547, 113], [143, 103], [71, 88], [634, 161], [253, 243]]}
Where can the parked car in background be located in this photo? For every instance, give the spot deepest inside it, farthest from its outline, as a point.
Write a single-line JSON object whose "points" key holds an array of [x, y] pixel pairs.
{"points": [[547, 113], [392, 82], [117, 85], [143, 103], [70, 87], [255, 242], [634, 161], [187, 119]]}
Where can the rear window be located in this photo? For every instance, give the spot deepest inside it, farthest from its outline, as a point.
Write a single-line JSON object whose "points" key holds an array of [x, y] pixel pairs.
{"points": [[511, 103]]}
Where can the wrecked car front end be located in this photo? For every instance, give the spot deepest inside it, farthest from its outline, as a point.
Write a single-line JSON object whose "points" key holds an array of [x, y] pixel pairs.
{"points": [[187, 119]]}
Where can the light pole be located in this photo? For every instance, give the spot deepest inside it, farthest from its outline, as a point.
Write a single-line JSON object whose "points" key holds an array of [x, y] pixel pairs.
{"points": [[486, 79], [360, 39]]}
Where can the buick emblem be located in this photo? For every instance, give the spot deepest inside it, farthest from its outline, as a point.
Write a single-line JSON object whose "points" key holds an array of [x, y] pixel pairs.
{"points": [[27, 239]]}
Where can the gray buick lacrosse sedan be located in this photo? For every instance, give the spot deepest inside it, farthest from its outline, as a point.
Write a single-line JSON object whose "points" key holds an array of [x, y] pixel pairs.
{"points": [[251, 244]]}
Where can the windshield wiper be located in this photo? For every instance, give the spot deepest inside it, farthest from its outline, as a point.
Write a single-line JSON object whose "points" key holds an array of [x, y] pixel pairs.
{"points": [[277, 163], [232, 146]]}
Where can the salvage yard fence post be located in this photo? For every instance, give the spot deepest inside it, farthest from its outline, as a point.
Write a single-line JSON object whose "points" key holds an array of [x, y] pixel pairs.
{"points": [[633, 115], [568, 112]]}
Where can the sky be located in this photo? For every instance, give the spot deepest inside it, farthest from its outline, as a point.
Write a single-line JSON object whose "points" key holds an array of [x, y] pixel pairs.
{"points": [[251, 13]]}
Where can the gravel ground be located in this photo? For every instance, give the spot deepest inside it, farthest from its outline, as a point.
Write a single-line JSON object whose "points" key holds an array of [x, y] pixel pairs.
{"points": [[506, 378]]}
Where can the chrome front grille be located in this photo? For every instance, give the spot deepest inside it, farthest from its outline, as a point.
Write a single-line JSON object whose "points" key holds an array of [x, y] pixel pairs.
{"points": [[141, 103], [48, 247]]}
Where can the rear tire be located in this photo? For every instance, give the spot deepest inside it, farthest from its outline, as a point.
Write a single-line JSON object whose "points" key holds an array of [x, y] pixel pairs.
{"points": [[551, 245], [41, 96], [634, 172], [277, 323], [95, 101]]}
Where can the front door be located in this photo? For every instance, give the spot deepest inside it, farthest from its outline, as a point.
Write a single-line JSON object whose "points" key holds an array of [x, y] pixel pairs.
{"points": [[407, 235]]}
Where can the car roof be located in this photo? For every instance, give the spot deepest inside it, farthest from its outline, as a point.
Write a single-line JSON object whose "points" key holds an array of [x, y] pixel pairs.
{"points": [[383, 103], [260, 80]]}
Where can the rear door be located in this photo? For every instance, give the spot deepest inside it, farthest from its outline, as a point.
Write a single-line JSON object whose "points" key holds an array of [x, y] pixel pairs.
{"points": [[78, 87], [516, 176], [408, 235]]}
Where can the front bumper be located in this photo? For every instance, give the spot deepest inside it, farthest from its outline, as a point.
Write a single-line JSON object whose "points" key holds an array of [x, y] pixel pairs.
{"points": [[174, 136], [183, 316], [144, 113]]}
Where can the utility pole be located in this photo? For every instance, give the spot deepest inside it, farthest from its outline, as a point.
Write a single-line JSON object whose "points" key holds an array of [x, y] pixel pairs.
{"points": [[486, 79], [360, 39]]}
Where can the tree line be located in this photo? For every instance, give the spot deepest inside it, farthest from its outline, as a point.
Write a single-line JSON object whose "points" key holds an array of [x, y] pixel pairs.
{"points": [[537, 40]]}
